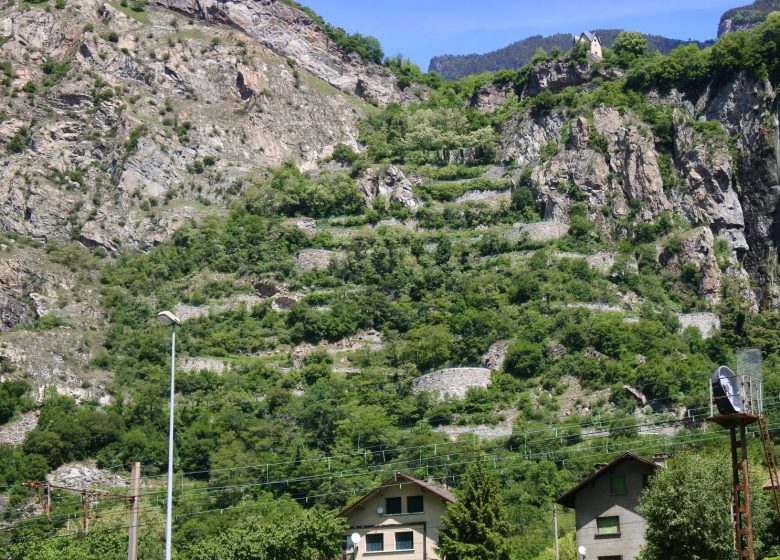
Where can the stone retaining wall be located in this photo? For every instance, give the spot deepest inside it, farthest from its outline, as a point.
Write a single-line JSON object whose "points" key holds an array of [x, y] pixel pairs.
{"points": [[452, 382]]}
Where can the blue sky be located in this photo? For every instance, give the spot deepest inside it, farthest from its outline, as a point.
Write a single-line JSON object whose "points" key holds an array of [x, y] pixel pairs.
{"points": [[420, 29]]}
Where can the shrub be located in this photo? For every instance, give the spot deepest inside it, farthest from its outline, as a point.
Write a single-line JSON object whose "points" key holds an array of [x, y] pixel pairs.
{"points": [[19, 141], [344, 154], [524, 359]]}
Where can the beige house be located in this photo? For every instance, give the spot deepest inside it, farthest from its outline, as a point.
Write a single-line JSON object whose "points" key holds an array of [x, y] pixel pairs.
{"points": [[398, 520], [596, 52], [608, 525]]}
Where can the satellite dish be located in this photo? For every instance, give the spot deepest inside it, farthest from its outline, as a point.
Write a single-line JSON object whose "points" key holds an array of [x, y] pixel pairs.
{"points": [[727, 392], [355, 538], [582, 550], [380, 510]]}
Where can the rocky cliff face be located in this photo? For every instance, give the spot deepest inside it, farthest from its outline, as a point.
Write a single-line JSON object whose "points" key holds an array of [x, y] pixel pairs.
{"points": [[747, 17], [118, 126], [289, 32], [151, 123], [719, 178]]}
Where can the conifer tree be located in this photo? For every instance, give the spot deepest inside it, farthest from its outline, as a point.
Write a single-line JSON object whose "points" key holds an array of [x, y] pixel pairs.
{"points": [[476, 527]]}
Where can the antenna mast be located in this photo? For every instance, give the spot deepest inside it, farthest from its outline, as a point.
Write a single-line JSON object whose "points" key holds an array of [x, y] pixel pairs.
{"points": [[738, 398]]}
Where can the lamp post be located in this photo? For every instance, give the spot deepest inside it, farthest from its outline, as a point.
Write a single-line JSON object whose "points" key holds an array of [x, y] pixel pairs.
{"points": [[170, 320], [355, 540], [582, 551]]}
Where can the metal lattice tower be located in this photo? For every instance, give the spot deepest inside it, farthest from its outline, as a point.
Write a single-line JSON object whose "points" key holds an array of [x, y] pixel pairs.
{"points": [[748, 381]]}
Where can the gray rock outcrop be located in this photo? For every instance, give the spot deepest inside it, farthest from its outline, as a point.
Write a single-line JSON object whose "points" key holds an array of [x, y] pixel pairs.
{"points": [[489, 97], [610, 162], [523, 136], [556, 75], [390, 184], [12, 312], [495, 355]]}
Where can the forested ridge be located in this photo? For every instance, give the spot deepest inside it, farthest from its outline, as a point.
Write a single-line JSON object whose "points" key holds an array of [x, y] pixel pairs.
{"points": [[520, 53], [283, 420]]}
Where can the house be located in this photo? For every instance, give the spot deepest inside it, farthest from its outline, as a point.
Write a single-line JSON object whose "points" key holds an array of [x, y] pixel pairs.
{"points": [[607, 523], [596, 53], [400, 519]]}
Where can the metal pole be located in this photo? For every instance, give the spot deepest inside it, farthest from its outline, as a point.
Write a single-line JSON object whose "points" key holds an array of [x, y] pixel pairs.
{"points": [[169, 503], [555, 525], [135, 488]]}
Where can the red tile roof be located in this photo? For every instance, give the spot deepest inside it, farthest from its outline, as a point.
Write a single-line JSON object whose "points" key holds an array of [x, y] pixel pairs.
{"points": [[400, 478]]}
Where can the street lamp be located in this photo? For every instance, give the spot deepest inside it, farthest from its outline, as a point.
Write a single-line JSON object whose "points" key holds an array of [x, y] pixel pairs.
{"points": [[583, 551], [355, 539], [170, 320]]}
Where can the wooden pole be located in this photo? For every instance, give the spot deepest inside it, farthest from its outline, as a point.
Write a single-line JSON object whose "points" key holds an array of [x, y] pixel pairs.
{"points": [[135, 489], [85, 511], [47, 507]]}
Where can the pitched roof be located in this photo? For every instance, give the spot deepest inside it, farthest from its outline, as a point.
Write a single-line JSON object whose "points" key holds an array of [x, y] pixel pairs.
{"points": [[400, 478], [588, 35], [567, 499], [769, 485]]}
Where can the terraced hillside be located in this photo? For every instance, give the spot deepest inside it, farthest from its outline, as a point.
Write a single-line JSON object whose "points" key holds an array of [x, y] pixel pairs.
{"points": [[537, 268]]}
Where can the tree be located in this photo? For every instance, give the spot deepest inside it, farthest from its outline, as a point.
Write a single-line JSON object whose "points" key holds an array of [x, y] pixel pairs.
{"points": [[476, 526], [687, 507], [630, 42], [566, 548], [314, 535]]}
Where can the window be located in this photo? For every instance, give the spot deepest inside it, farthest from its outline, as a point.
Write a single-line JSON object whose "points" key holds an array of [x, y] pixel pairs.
{"points": [[617, 485], [392, 506], [414, 504], [375, 542], [607, 526], [610, 558], [404, 541]]}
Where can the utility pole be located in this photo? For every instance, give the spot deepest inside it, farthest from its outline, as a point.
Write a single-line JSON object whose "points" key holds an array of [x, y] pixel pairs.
{"points": [[135, 489], [555, 526], [85, 497], [47, 506]]}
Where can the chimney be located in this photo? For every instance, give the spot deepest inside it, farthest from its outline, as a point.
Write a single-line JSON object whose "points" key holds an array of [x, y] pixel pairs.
{"points": [[660, 459], [598, 466]]}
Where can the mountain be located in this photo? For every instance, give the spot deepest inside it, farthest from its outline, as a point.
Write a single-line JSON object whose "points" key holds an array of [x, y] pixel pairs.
{"points": [[514, 56], [537, 267], [746, 17], [518, 54]]}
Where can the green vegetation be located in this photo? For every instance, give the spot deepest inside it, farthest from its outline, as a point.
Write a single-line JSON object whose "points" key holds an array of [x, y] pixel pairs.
{"points": [[283, 429], [19, 141], [54, 71], [135, 9], [687, 509], [520, 53], [476, 526]]}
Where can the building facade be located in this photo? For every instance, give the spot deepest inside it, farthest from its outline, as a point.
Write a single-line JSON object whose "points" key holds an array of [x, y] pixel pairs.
{"points": [[607, 523], [398, 520], [596, 51]]}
